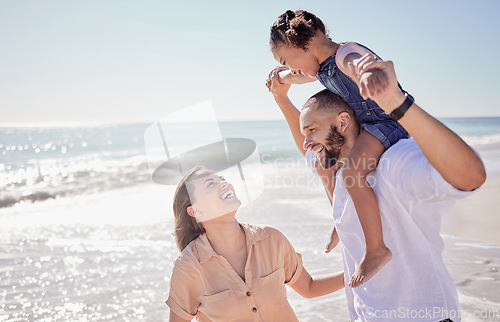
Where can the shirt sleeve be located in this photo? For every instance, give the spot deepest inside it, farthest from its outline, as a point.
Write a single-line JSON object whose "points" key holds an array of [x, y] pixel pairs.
{"points": [[292, 261], [185, 290], [411, 173], [346, 49]]}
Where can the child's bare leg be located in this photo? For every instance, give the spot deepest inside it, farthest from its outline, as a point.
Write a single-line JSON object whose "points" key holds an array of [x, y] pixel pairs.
{"points": [[334, 240], [363, 158]]}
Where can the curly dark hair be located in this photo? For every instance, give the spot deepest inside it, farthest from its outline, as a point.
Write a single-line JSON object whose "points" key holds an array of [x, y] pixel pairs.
{"points": [[295, 28]]}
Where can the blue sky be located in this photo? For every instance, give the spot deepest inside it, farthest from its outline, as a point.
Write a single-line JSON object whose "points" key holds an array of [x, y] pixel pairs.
{"points": [[136, 61]]}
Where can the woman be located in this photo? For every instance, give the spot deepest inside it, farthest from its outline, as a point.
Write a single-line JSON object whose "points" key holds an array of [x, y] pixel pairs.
{"points": [[229, 271]]}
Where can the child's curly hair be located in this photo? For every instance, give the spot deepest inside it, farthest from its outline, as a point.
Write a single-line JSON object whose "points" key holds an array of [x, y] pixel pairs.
{"points": [[295, 28]]}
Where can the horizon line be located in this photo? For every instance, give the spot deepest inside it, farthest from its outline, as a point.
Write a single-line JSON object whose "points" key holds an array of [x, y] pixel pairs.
{"points": [[115, 123]]}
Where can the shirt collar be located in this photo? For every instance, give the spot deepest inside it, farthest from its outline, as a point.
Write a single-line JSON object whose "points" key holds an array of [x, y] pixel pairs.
{"points": [[205, 250]]}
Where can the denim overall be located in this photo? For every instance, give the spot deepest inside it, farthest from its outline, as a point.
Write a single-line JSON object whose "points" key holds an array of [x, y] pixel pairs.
{"points": [[369, 115]]}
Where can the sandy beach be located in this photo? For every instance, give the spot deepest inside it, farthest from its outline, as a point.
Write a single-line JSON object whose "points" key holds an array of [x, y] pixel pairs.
{"points": [[478, 216], [108, 255]]}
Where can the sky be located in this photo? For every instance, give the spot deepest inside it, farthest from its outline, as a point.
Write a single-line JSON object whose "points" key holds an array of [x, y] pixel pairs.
{"points": [[117, 61]]}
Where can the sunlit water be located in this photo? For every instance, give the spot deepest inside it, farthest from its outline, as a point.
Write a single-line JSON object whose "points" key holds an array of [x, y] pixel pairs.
{"points": [[86, 235]]}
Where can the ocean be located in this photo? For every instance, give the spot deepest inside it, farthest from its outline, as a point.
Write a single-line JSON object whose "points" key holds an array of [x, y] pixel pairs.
{"points": [[39, 163], [86, 235]]}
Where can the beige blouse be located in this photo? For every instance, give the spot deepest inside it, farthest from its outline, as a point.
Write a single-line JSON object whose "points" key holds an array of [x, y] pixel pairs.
{"points": [[203, 281]]}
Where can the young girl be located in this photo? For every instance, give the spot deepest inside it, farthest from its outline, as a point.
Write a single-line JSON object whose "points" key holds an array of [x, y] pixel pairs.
{"points": [[230, 271], [300, 42]]}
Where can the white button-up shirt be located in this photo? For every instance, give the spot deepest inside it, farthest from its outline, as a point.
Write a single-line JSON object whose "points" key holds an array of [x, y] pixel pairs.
{"points": [[412, 196]]}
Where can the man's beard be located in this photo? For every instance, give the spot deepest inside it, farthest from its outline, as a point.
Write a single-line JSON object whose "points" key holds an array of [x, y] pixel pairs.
{"points": [[334, 141]]}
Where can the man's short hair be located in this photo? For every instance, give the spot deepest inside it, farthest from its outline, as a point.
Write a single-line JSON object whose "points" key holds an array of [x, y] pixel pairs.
{"points": [[329, 102]]}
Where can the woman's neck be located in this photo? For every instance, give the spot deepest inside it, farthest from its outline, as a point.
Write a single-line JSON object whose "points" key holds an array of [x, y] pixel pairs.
{"points": [[225, 235]]}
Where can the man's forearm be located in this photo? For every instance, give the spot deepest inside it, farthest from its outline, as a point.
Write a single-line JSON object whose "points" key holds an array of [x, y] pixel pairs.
{"points": [[292, 115], [445, 150]]}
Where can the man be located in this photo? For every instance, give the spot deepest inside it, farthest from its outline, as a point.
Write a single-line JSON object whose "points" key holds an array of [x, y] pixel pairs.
{"points": [[415, 181]]}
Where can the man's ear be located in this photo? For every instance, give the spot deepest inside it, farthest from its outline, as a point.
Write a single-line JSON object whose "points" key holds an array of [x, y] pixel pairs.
{"points": [[344, 121]]}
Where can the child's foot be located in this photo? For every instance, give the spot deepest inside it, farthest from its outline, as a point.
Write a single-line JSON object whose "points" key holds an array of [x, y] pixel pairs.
{"points": [[334, 240], [369, 266]]}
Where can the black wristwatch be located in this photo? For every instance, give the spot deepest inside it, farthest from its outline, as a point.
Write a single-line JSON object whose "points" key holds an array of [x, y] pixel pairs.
{"points": [[401, 110]]}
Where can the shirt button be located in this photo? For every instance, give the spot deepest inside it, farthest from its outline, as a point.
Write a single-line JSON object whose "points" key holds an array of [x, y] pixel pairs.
{"points": [[248, 293], [254, 309]]}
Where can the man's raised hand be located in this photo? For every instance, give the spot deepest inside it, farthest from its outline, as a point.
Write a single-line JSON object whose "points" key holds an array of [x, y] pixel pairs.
{"points": [[377, 80], [273, 84]]}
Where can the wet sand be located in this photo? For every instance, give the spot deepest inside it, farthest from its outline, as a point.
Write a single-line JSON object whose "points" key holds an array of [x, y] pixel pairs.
{"points": [[109, 256], [478, 216]]}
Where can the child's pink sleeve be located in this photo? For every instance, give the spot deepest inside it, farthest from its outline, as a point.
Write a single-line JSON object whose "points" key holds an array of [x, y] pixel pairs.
{"points": [[346, 49]]}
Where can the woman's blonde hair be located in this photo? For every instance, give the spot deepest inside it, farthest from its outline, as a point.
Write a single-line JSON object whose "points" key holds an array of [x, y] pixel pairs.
{"points": [[186, 227]]}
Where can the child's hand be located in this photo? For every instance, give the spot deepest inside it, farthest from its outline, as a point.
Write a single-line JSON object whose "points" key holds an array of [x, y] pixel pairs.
{"points": [[371, 82], [384, 89], [277, 88]]}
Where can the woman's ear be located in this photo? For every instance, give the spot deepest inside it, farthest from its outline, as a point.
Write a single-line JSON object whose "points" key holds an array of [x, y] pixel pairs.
{"points": [[193, 212]]}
